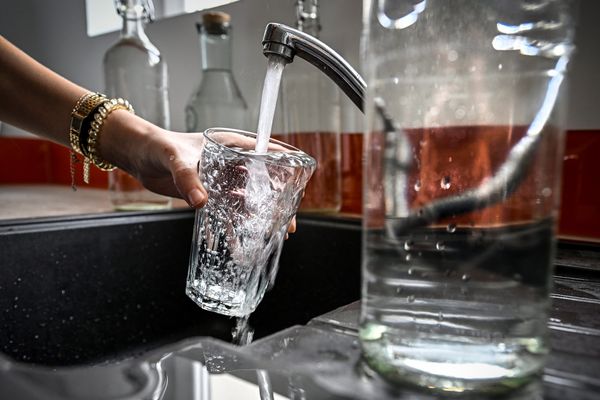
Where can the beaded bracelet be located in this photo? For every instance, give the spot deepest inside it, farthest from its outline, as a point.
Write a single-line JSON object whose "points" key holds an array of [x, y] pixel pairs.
{"points": [[100, 116]]}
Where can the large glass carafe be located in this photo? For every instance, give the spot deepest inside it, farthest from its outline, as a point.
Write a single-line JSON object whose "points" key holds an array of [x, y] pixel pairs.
{"points": [[311, 114], [463, 159], [217, 101], [135, 70]]}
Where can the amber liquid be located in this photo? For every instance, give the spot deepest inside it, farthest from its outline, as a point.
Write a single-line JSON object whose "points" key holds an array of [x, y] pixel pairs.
{"points": [[450, 161], [323, 190], [352, 172], [580, 204]]}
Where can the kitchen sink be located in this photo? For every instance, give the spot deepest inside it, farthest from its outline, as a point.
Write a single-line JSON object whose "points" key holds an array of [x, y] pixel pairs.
{"points": [[94, 289]]}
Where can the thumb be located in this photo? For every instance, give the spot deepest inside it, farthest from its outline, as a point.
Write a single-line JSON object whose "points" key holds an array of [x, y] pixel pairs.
{"points": [[188, 184]]}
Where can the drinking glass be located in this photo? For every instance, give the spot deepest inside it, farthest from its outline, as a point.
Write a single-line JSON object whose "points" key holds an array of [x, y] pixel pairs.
{"points": [[463, 154], [239, 234]]}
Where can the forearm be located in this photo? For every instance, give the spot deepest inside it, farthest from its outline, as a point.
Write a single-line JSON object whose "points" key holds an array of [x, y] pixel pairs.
{"points": [[33, 97], [40, 101]]}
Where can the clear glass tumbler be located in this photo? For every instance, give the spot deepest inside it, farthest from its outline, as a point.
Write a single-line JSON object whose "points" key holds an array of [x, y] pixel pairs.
{"points": [[239, 234], [463, 160]]}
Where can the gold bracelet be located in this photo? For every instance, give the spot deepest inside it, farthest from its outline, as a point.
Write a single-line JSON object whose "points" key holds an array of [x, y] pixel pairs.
{"points": [[82, 109], [94, 135], [84, 106]]}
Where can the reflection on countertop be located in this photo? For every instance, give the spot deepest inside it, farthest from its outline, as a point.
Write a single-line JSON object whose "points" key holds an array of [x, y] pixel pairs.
{"points": [[34, 201]]}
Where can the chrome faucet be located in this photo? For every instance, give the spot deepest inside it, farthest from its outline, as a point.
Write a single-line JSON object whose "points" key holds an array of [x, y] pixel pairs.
{"points": [[288, 42]]}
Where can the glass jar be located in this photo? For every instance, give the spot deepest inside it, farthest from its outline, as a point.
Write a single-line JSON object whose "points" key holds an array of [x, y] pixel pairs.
{"points": [[463, 159], [135, 70], [311, 113]]}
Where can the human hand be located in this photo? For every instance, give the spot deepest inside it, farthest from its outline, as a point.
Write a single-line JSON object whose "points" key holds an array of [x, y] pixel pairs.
{"points": [[165, 162]]}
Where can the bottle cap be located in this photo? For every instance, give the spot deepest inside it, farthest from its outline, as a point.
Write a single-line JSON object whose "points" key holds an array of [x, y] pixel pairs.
{"points": [[215, 22]]}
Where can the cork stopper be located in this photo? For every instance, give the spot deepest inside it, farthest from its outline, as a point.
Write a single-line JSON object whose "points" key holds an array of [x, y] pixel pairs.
{"points": [[215, 22]]}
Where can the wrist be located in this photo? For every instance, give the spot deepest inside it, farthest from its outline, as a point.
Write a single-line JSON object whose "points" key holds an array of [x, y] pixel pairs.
{"points": [[125, 137]]}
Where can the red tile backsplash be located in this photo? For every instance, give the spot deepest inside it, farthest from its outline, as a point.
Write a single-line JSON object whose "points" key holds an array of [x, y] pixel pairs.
{"points": [[31, 161]]}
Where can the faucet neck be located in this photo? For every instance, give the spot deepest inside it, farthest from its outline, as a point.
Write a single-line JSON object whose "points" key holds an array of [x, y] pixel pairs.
{"points": [[287, 42]]}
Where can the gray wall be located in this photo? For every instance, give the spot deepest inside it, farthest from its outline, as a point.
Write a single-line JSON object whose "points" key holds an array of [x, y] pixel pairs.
{"points": [[54, 33]]}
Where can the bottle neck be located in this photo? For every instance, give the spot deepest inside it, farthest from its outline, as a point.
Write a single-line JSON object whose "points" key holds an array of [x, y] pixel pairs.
{"points": [[215, 50], [134, 14], [307, 17], [134, 28]]}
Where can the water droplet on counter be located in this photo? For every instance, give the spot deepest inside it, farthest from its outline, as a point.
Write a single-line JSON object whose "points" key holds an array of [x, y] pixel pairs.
{"points": [[411, 271], [451, 228], [408, 257], [408, 245], [440, 245], [466, 278]]}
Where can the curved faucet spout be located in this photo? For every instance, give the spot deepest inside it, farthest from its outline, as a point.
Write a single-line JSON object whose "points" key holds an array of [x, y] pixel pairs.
{"points": [[287, 42]]}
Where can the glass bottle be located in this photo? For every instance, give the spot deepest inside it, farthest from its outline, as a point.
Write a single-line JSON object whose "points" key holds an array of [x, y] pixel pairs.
{"points": [[312, 119], [463, 153], [135, 70], [217, 101]]}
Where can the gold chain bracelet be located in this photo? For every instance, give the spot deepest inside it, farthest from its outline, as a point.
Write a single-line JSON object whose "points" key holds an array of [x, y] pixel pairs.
{"points": [[85, 105], [81, 111], [100, 116]]}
